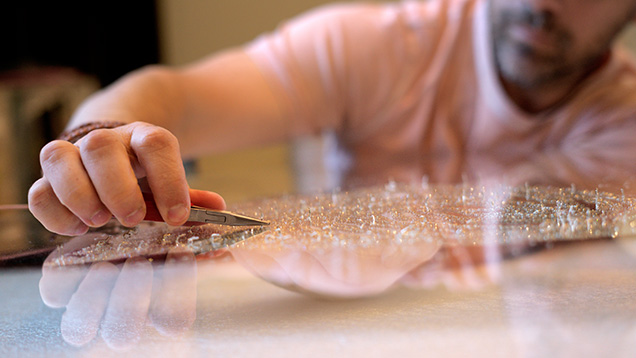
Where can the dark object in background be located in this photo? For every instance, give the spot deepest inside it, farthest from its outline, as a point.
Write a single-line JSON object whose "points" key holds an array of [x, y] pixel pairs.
{"points": [[36, 104], [23, 240], [106, 39]]}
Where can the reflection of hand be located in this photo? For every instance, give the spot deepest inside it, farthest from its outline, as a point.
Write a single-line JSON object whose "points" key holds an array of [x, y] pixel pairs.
{"points": [[341, 272], [458, 267], [85, 184], [117, 300]]}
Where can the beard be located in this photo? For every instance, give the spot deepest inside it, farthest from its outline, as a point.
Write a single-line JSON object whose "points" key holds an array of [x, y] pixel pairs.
{"points": [[550, 59]]}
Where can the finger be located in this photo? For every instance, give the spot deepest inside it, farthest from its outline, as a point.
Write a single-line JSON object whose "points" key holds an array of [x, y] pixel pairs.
{"points": [[58, 283], [492, 262], [174, 308], [465, 273], [60, 280], [264, 265], [157, 151], [427, 275], [207, 199], [109, 167], [62, 166], [125, 317], [84, 311], [47, 208]]}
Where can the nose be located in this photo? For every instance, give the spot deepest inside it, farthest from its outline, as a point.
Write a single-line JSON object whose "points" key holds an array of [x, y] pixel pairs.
{"points": [[554, 7], [542, 13]]}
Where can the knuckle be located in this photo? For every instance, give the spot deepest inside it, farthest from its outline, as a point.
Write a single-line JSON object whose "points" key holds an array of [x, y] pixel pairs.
{"points": [[39, 195], [69, 226], [42, 204], [122, 200], [75, 198], [119, 199], [152, 139], [125, 201], [98, 140], [54, 152]]}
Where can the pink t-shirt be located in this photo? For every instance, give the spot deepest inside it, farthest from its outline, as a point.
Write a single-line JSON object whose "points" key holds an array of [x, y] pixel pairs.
{"points": [[418, 78]]}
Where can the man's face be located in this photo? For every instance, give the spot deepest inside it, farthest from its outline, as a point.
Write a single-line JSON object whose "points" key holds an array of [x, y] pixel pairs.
{"points": [[540, 42]]}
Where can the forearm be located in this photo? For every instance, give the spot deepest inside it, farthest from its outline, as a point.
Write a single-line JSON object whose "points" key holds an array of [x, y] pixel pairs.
{"points": [[222, 103], [229, 105], [148, 95]]}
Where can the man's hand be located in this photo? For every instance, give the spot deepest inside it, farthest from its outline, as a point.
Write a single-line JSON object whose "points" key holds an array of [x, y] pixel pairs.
{"points": [[85, 183]]}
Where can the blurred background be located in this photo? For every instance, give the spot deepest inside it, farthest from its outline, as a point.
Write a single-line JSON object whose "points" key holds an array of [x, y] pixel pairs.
{"points": [[55, 54]]}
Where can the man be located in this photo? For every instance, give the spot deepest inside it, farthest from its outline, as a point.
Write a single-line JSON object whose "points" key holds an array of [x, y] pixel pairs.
{"points": [[439, 78]]}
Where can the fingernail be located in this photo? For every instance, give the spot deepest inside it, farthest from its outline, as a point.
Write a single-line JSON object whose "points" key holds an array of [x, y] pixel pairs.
{"points": [[79, 229], [177, 213], [135, 217], [100, 218]]}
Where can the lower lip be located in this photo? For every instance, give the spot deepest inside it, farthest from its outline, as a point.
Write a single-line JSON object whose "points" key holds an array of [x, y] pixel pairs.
{"points": [[536, 38]]}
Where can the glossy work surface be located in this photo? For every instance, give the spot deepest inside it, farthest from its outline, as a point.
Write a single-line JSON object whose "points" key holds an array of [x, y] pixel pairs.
{"points": [[525, 258]]}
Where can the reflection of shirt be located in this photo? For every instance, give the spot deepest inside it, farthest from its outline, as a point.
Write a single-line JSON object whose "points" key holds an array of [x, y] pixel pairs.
{"points": [[418, 77]]}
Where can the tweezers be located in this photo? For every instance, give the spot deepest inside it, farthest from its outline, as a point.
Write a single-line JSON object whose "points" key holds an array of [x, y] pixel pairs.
{"points": [[200, 215]]}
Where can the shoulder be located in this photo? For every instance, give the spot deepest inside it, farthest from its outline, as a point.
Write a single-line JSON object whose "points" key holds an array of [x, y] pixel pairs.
{"points": [[366, 27], [358, 17], [614, 88], [606, 108]]}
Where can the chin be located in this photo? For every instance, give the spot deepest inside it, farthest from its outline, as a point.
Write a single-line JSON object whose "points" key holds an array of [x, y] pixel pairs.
{"points": [[521, 69]]}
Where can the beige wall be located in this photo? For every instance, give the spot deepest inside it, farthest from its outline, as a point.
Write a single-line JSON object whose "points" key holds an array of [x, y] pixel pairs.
{"points": [[629, 38], [191, 29]]}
